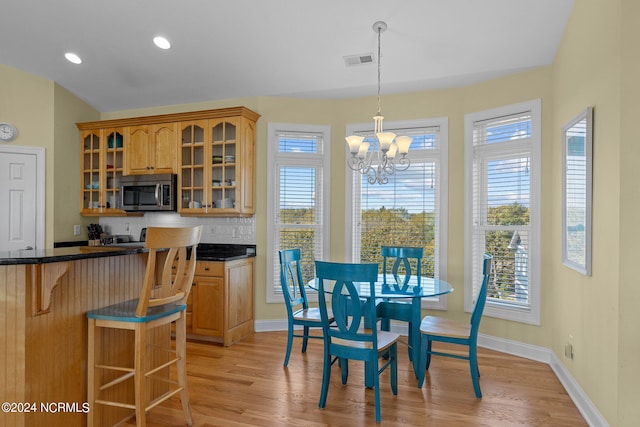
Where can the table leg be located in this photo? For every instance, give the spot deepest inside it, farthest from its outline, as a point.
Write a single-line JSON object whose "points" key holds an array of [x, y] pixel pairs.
{"points": [[368, 369], [414, 334]]}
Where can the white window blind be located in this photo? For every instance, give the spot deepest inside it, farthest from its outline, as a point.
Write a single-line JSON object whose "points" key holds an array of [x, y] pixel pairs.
{"points": [[408, 210], [297, 211], [503, 221]]}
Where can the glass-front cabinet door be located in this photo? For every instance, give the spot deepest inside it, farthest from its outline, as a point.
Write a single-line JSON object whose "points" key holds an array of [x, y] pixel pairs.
{"points": [[91, 161], [113, 168], [192, 167], [210, 164], [224, 163], [102, 168]]}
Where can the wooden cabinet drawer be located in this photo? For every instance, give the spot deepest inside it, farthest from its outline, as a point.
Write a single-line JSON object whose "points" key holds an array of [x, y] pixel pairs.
{"points": [[210, 268], [207, 268]]}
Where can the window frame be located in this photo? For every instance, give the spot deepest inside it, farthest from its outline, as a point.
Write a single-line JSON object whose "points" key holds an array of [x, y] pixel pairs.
{"points": [[274, 160], [435, 303], [504, 309], [571, 180]]}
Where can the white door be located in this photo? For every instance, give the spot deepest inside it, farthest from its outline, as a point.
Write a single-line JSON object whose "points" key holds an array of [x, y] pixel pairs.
{"points": [[21, 219]]}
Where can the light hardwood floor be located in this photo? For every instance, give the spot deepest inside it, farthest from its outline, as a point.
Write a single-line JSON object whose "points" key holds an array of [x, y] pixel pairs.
{"points": [[246, 385]]}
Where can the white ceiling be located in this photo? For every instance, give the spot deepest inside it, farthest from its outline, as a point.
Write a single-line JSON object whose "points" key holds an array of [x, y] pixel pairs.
{"points": [[237, 48]]}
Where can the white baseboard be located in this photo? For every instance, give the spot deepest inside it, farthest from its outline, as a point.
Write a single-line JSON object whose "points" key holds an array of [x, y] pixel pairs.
{"points": [[540, 354], [271, 325], [579, 397]]}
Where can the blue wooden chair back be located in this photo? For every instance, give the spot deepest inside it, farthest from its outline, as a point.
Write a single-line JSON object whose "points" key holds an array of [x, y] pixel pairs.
{"points": [[349, 309], [481, 300], [402, 257], [295, 297], [291, 280], [347, 340]]}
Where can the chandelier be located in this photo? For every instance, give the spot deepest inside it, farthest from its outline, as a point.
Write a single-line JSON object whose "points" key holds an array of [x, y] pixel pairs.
{"points": [[378, 160]]}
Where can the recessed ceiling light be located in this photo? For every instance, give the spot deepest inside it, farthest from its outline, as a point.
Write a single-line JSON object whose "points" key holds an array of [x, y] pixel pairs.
{"points": [[72, 57], [161, 42]]}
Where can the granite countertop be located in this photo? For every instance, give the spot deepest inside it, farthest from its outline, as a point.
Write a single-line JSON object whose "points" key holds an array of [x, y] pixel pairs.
{"points": [[41, 256], [205, 252], [224, 252]]}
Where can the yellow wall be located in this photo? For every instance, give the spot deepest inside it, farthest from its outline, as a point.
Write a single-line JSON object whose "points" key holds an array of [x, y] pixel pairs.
{"points": [[587, 72], [68, 111], [628, 346], [27, 103], [45, 115]]}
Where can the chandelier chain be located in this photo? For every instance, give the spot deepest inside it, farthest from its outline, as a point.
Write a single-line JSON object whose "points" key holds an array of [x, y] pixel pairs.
{"points": [[379, 61]]}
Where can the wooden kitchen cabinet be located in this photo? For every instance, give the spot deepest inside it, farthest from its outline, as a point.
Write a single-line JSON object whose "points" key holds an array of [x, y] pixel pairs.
{"points": [[101, 167], [207, 320], [221, 305], [211, 151], [150, 149], [217, 164]]}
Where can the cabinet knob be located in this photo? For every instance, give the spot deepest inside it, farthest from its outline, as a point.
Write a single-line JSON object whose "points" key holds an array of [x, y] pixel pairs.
{"points": [[206, 269]]}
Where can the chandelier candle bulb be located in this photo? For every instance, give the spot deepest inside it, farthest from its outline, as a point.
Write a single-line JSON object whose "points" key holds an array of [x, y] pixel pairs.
{"points": [[385, 139], [404, 142], [391, 154], [354, 142], [362, 152]]}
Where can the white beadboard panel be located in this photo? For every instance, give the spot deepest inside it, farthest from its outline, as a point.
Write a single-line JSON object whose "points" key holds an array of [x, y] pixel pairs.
{"points": [[216, 230]]}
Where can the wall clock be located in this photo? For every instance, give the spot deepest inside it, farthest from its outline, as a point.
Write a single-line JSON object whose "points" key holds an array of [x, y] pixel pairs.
{"points": [[8, 132]]}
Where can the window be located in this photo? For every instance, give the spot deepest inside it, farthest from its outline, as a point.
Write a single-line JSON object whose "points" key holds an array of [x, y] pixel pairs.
{"points": [[411, 209], [502, 211], [577, 147], [298, 200]]}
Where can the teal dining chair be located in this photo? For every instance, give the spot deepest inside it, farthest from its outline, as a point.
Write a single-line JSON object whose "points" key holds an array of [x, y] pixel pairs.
{"points": [[433, 328], [298, 311], [399, 264], [348, 339]]}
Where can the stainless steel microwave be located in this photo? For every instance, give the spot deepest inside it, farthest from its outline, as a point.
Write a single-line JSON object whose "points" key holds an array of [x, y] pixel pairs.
{"points": [[142, 193]]}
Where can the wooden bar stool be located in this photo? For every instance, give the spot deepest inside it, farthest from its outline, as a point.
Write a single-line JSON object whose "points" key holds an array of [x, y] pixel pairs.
{"points": [[162, 301]]}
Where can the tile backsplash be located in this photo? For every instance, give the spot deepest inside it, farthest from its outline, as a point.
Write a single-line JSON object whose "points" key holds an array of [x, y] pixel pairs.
{"points": [[216, 230]]}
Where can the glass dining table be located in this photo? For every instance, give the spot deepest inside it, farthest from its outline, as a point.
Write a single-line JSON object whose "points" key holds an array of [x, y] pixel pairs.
{"points": [[399, 299]]}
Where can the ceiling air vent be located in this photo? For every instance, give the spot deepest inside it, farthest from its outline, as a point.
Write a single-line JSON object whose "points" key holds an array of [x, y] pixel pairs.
{"points": [[361, 59]]}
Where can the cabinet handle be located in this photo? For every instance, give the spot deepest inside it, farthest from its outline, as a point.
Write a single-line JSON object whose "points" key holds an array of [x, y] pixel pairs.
{"points": [[206, 269], [193, 284]]}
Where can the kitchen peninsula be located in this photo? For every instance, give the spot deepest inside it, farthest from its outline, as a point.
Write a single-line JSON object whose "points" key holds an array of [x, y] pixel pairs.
{"points": [[45, 295]]}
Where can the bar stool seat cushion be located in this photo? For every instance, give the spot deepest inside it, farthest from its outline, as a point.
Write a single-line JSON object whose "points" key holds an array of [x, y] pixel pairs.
{"points": [[126, 312]]}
